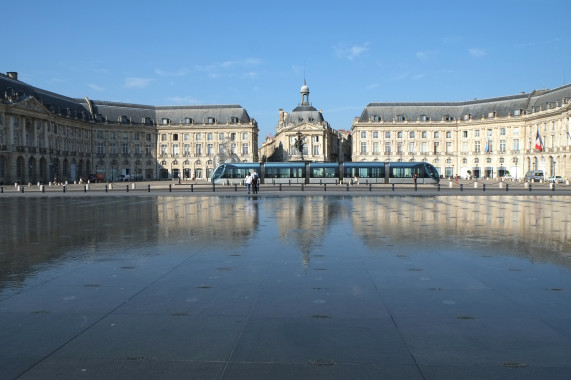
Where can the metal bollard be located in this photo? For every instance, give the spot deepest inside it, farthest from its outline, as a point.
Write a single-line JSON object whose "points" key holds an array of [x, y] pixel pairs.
{"points": [[85, 188], [303, 187], [530, 187], [346, 184], [2, 189], [149, 188], [192, 187], [484, 187], [170, 187], [415, 186], [280, 187], [213, 187], [461, 187], [507, 187], [21, 189], [106, 189], [127, 188], [64, 186], [438, 187], [290, 182], [553, 188], [371, 187], [235, 187], [393, 187], [324, 186]]}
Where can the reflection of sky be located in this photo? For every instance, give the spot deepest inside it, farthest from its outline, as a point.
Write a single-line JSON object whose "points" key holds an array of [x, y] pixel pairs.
{"points": [[38, 232]]}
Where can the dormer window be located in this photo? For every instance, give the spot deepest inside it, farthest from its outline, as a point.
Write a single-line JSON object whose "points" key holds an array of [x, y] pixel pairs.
{"points": [[187, 120], [401, 118], [147, 121], [165, 121], [233, 120], [491, 114], [123, 119], [468, 116], [424, 118], [210, 120]]}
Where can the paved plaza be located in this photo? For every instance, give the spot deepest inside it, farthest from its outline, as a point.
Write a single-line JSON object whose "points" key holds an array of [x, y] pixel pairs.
{"points": [[416, 284]]}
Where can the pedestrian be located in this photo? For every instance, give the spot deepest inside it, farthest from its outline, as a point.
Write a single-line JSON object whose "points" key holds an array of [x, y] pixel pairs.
{"points": [[255, 181], [248, 181], [415, 176]]}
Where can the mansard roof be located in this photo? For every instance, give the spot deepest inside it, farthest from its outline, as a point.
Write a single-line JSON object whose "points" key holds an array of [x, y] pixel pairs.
{"points": [[500, 107], [304, 113], [13, 90]]}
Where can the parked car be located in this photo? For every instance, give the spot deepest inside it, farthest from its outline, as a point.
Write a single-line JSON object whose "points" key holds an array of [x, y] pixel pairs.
{"points": [[555, 179], [534, 176], [507, 177]]}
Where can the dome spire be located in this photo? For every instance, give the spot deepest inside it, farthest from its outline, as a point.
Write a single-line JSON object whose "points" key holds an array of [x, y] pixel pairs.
{"points": [[304, 94]]}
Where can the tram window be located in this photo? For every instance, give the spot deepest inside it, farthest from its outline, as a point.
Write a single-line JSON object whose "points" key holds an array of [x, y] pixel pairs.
{"points": [[324, 172]]}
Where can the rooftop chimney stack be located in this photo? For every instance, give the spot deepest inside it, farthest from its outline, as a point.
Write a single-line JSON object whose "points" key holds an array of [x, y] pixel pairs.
{"points": [[12, 75]]}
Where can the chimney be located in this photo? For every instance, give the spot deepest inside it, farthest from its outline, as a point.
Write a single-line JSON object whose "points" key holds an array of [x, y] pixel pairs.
{"points": [[281, 113], [12, 75]]}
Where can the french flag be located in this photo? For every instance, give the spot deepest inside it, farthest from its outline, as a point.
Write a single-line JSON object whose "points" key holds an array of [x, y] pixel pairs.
{"points": [[538, 142]]}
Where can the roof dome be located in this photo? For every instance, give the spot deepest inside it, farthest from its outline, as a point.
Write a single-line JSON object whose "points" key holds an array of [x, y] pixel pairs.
{"points": [[304, 88]]}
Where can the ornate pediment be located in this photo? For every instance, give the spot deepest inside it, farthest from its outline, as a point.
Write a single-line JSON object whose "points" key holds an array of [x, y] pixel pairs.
{"points": [[32, 104]]}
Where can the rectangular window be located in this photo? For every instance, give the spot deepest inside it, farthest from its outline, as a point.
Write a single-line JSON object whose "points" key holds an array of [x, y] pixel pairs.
{"points": [[388, 148], [316, 150], [399, 135], [424, 134], [476, 147], [137, 135], [411, 135], [148, 149], [502, 146], [448, 147], [186, 149], [465, 147], [448, 135], [502, 131], [515, 131], [175, 149], [113, 148], [163, 149], [376, 135], [465, 134], [233, 149], [244, 135], [125, 148], [209, 136], [164, 137], [100, 135], [363, 147], [411, 147], [424, 148], [198, 149], [198, 136], [387, 135], [100, 148], [436, 147], [221, 137], [399, 148], [376, 147], [436, 135], [138, 149], [244, 149], [363, 135], [516, 145]]}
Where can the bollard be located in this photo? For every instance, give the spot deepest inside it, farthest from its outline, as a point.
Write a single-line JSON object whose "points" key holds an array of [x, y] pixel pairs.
{"points": [[461, 187], [321, 182], [507, 187], [393, 187], [324, 186], [21, 189], [235, 187], [213, 187], [85, 188], [553, 188], [127, 188], [438, 187], [2, 189], [192, 187], [303, 188], [170, 187], [415, 186], [530, 187], [346, 184], [483, 187], [280, 186], [149, 188], [64, 186], [371, 186], [290, 182], [43, 188], [106, 188]]}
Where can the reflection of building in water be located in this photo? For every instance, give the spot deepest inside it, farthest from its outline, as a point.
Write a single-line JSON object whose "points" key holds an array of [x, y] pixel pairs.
{"points": [[520, 223], [42, 231], [206, 220], [304, 220]]}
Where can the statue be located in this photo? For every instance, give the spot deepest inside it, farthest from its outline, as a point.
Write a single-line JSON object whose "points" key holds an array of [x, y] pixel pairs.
{"points": [[299, 142]]}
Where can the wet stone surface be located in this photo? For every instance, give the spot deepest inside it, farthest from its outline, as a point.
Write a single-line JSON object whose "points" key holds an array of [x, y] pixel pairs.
{"points": [[285, 287]]}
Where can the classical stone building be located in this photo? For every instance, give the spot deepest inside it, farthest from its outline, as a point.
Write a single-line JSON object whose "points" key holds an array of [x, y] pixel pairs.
{"points": [[481, 138], [46, 136], [305, 128]]}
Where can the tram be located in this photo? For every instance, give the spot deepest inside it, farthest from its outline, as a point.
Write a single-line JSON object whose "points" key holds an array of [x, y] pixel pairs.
{"points": [[328, 172]]}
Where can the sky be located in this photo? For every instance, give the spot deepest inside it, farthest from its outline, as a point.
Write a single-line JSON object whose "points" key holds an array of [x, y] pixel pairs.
{"points": [[258, 53]]}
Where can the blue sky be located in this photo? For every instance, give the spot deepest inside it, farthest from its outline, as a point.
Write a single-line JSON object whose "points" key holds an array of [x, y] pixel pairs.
{"points": [[256, 53]]}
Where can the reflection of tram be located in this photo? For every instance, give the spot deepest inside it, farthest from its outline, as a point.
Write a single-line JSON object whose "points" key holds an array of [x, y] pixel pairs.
{"points": [[328, 172]]}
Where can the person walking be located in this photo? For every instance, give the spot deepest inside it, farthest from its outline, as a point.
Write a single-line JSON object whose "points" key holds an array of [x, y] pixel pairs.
{"points": [[255, 181], [248, 181]]}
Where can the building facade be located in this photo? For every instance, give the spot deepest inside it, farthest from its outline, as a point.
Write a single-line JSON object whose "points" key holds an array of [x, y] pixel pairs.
{"points": [[480, 138], [46, 136], [303, 134]]}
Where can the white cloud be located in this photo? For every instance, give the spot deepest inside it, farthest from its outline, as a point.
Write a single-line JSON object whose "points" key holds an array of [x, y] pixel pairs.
{"points": [[182, 100], [477, 53], [95, 87], [351, 52], [227, 68], [136, 82]]}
